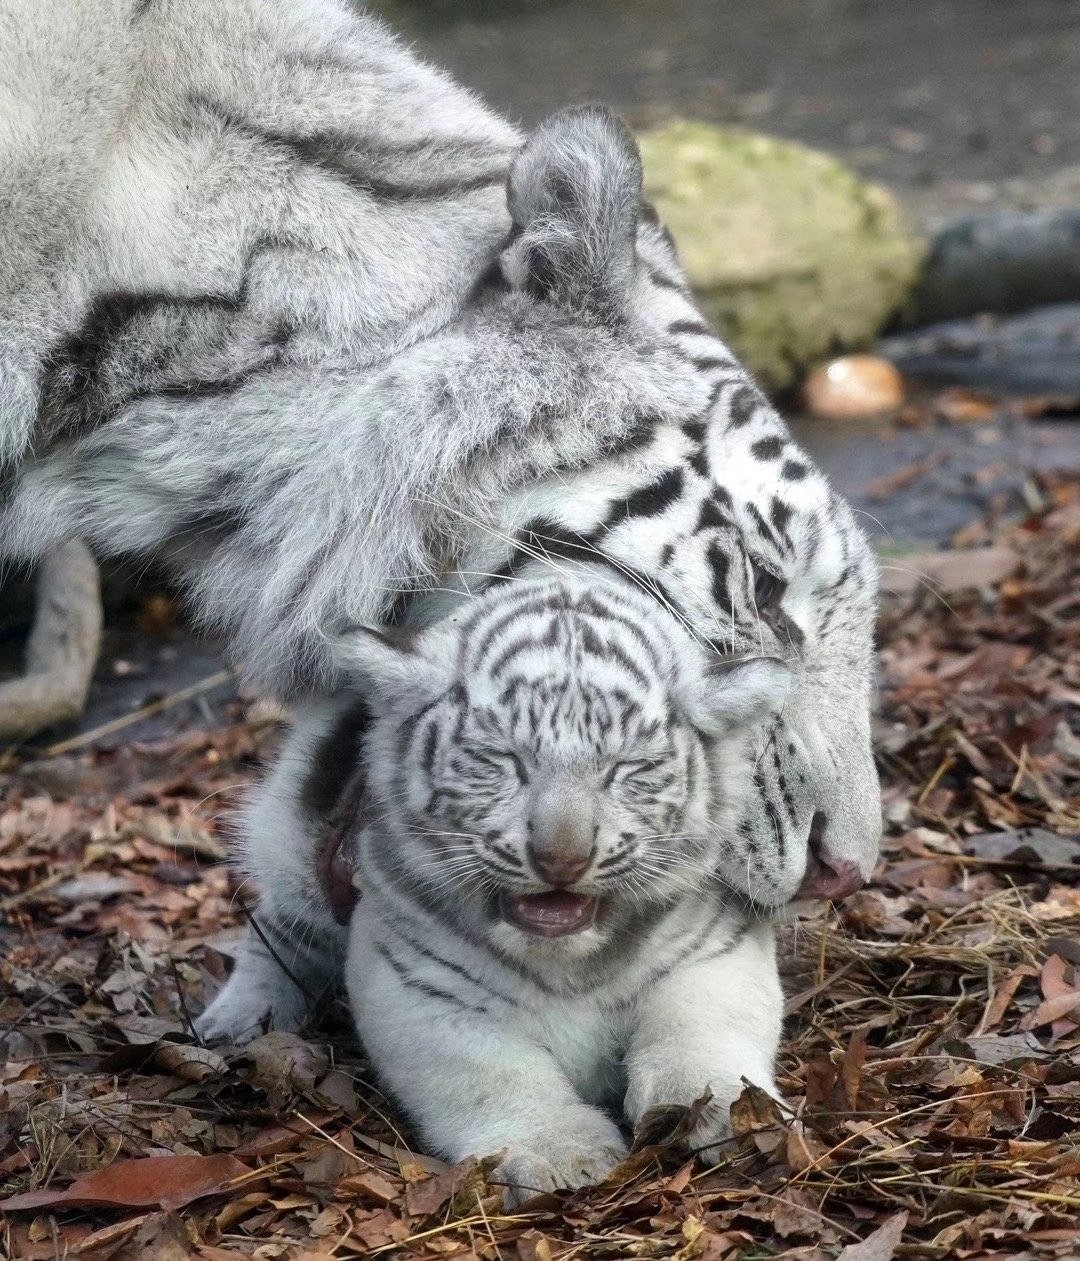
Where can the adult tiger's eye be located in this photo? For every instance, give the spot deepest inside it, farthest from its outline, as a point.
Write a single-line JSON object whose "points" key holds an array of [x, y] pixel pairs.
{"points": [[768, 588]]}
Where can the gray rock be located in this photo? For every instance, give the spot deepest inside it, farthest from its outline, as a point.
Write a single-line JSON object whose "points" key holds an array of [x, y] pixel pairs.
{"points": [[1037, 353], [1004, 261], [790, 254]]}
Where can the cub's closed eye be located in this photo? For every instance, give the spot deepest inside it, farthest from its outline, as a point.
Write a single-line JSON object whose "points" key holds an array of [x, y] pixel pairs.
{"points": [[505, 758], [631, 768]]}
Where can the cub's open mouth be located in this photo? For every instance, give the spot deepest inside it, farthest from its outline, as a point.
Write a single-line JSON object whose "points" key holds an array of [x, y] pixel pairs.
{"points": [[554, 914]]}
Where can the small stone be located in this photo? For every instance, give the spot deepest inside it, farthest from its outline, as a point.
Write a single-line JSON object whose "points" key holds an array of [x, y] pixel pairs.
{"points": [[949, 572], [854, 387]]}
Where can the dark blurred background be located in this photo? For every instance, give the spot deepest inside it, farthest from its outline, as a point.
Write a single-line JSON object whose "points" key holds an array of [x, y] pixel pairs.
{"points": [[952, 103]]}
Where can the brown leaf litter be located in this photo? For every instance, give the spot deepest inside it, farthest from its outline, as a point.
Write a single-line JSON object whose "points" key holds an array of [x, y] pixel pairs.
{"points": [[932, 1057]]}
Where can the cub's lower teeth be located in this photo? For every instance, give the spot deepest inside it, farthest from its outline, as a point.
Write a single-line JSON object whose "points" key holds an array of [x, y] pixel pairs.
{"points": [[555, 914]]}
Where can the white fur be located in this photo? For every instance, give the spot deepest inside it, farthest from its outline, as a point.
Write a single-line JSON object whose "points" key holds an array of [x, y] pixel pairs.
{"points": [[277, 860], [242, 330], [288, 310], [529, 1082], [565, 708]]}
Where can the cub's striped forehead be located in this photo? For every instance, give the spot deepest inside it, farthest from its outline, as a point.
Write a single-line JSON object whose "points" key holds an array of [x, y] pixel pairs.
{"points": [[524, 634]]}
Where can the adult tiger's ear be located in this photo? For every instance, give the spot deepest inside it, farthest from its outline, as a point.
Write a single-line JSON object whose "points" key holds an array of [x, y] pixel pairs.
{"points": [[574, 193], [389, 667], [733, 692]]}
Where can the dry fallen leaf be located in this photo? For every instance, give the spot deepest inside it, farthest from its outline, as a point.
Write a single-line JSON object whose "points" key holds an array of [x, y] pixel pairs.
{"points": [[881, 1245], [915, 1081], [462, 1184], [167, 1181], [369, 1185]]}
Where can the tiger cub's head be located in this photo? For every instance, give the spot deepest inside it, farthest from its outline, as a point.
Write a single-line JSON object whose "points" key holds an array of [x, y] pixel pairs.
{"points": [[558, 757]]}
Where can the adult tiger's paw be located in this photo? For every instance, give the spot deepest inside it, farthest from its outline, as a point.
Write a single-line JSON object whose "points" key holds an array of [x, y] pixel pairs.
{"points": [[248, 1007]]}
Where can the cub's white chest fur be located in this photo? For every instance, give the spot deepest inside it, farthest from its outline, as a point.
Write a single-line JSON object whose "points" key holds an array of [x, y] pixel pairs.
{"points": [[486, 1061], [587, 1041]]}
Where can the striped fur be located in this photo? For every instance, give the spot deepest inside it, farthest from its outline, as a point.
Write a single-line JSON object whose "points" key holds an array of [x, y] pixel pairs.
{"points": [[288, 309], [567, 710], [252, 320]]}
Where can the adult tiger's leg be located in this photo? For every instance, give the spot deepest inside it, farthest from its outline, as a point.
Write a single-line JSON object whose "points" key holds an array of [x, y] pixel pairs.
{"points": [[63, 646]]}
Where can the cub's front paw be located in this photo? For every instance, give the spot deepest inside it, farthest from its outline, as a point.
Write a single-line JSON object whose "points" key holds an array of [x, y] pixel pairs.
{"points": [[713, 1128], [711, 1133], [565, 1155], [699, 1116]]}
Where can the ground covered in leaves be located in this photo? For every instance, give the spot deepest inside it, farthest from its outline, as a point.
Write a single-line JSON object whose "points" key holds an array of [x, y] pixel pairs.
{"points": [[933, 1048]]}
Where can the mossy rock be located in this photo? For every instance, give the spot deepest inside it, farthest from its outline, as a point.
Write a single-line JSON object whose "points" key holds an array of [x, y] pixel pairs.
{"points": [[791, 255]]}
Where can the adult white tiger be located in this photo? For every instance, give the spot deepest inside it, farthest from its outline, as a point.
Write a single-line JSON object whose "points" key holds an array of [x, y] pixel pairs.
{"points": [[286, 307]]}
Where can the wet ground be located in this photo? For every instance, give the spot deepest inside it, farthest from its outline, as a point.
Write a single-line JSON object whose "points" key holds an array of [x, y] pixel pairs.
{"points": [[915, 487]]}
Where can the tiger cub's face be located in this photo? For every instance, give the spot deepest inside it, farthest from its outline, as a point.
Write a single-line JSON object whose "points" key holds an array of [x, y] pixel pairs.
{"points": [[557, 758]]}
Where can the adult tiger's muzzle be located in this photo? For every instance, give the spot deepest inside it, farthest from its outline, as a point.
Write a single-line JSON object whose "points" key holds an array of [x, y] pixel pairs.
{"points": [[827, 877]]}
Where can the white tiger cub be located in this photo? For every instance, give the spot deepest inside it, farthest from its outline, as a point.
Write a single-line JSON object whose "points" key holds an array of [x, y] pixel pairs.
{"points": [[553, 920], [560, 916], [556, 913]]}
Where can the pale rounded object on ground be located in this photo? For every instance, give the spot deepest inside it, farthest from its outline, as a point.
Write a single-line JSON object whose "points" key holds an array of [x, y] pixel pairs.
{"points": [[853, 387]]}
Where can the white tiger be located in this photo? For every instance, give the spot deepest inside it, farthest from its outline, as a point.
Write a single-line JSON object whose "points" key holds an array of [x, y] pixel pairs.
{"points": [[553, 918], [560, 917], [289, 309]]}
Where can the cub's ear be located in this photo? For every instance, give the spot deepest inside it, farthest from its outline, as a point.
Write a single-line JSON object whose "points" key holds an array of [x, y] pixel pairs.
{"points": [[388, 667], [574, 194], [734, 692]]}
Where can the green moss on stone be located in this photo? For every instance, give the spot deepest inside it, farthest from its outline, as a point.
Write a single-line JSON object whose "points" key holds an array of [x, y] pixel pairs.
{"points": [[790, 254]]}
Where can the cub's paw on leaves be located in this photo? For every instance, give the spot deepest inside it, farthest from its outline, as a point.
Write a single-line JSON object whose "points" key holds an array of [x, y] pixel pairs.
{"points": [[565, 1156], [241, 1013]]}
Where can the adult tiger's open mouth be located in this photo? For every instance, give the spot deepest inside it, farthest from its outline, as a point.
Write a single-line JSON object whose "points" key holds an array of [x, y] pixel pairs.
{"points": [[554, 914]]}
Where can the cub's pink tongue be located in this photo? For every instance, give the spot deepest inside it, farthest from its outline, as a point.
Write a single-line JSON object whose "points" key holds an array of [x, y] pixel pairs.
{"points": [[552, 914]]}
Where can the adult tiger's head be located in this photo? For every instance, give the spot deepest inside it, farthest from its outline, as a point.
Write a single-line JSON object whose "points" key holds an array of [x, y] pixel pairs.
{"points": [[704, 504], [563, 755]]}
